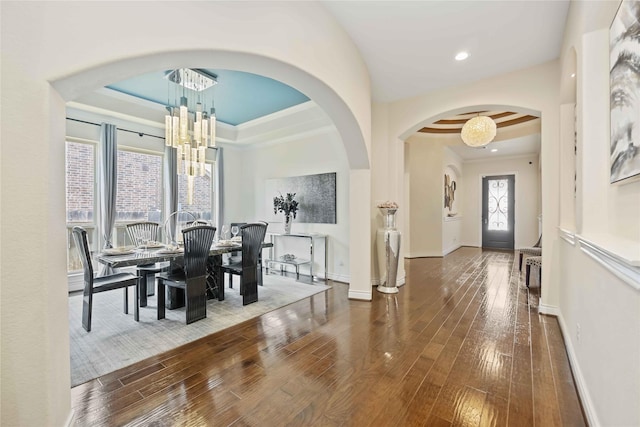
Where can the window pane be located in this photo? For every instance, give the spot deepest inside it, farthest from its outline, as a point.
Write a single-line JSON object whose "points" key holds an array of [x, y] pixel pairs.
{"points": [[80, 195], [498, 204], [202, 194], [139, 187], [80, 179]]}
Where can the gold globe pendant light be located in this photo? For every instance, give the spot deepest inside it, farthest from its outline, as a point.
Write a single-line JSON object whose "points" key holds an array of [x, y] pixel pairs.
{"points": [[478, 131]]}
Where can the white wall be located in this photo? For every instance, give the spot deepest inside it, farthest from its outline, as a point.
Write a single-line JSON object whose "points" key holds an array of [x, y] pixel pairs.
{"points": [[62, 50], [385, 186], [249, 168], [600, 293], [527, 182], [535, 89], [452, 225], [426, 193]]}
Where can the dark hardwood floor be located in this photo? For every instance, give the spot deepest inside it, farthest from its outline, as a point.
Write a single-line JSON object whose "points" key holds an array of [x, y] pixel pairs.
{"points": [[461, 344]]}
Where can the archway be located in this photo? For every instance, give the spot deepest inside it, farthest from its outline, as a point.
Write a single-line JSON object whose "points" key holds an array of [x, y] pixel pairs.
{"points": [[56, 47], [431, 153], [79, 83]]}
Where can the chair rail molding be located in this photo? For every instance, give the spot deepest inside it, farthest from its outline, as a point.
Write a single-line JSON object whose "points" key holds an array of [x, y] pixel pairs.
{"points": [[567, 235], [617, 259]]}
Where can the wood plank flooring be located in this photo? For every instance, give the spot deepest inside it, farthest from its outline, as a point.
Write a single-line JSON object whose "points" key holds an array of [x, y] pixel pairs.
{"points": [[461, 344]]}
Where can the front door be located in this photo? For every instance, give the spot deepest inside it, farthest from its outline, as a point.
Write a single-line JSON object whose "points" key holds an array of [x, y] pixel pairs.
{"points": [[498, 211]]}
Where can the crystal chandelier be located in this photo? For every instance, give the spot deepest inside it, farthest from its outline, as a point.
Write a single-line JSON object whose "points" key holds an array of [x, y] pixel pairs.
{"points": [[188, 127], [478, 131]]}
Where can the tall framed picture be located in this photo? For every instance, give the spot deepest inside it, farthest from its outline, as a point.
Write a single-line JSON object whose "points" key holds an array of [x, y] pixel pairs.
{"points": [[624, 78]]}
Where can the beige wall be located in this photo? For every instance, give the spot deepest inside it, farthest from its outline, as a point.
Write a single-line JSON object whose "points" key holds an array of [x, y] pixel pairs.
{"points": [[426, 182], [64, 45], [535, 89], [452, 225], [527, 182], [599, 301], [319, 153]]}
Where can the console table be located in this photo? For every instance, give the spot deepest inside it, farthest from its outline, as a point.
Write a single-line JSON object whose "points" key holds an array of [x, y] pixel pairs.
{"points": [[276, 258]]}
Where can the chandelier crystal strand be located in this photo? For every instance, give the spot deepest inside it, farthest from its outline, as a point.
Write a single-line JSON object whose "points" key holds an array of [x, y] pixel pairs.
{"points": [[188, 127], [212, 128]]}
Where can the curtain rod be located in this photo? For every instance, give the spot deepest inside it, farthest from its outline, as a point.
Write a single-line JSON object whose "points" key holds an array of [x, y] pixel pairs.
{"points": [[124, 130]]}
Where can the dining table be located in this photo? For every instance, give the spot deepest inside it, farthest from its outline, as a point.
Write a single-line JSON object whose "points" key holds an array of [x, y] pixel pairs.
{"points": [[134, 256]]}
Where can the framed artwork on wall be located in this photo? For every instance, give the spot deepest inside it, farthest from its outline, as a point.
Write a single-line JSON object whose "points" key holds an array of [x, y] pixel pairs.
{"points": [[450, 187], [316, 195], [624, 79]]}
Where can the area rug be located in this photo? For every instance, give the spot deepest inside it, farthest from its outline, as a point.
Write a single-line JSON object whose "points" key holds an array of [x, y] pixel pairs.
{"points": [[116, 340]]}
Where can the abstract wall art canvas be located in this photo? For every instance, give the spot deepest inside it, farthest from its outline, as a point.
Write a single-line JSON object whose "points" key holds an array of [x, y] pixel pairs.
{"points": [[316, 196], [624, 77]]}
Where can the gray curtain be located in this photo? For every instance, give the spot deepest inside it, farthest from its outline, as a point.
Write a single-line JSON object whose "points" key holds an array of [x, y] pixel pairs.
{"points": [[219, 190], [170, 191], [108, 181], [107, 186]]}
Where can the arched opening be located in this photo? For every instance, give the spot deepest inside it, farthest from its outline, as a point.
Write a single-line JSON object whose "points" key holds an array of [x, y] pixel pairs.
{"points": [[72, 86], [439, 224], [300, 40], [76, 85]]}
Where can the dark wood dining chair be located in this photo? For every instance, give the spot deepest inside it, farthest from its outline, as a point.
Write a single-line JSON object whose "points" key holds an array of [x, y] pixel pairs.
{"points": [[94, 285], [139, 232], [236, 256], [252, 238], [193, 277]]}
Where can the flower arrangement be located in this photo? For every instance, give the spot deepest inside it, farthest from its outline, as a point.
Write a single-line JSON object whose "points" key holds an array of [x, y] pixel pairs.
{"points": [[388, 205], [287, 205]]}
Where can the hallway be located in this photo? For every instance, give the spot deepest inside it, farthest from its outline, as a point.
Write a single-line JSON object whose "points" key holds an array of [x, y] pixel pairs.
{"points": [[461, 344]]}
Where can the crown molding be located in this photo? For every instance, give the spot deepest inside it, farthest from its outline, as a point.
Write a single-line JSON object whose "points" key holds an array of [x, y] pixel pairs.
{"points": [[300, 121]]}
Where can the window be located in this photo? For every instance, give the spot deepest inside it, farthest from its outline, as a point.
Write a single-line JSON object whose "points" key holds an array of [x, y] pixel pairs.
{"points": [[139, 195], [80, 168], [499, 204], [202, 202], [80, 195]]}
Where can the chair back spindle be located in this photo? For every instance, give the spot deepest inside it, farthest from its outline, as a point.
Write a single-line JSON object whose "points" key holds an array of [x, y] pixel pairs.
{"points": [[252, 237], [141, 231], [82, 244], [197, 243]]}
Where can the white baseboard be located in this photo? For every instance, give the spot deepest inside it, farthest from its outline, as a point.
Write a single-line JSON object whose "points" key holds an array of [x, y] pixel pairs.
{"points": [[585, 397], [360, 295], [423, 255], [470, 245], [339, 277], [399, 282], [451, 249], [71, 419], [75, 281], [551, 310]]}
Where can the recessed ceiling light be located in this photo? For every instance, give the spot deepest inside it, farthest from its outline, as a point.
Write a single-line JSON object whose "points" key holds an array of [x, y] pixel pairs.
{"points": [[493, 150], [573, 75], [461, 56]]}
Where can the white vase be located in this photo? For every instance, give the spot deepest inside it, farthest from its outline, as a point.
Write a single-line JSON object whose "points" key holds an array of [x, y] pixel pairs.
{"points": [[287, 224], [388, 243]]}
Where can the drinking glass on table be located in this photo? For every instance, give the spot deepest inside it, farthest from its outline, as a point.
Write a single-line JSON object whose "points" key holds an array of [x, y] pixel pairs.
{"points": [[234, 230], [146, 238], [224, 233]]}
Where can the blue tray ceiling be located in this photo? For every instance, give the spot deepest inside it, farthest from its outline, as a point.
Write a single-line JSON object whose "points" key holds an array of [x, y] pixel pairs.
{"points": [[239, 96]]}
